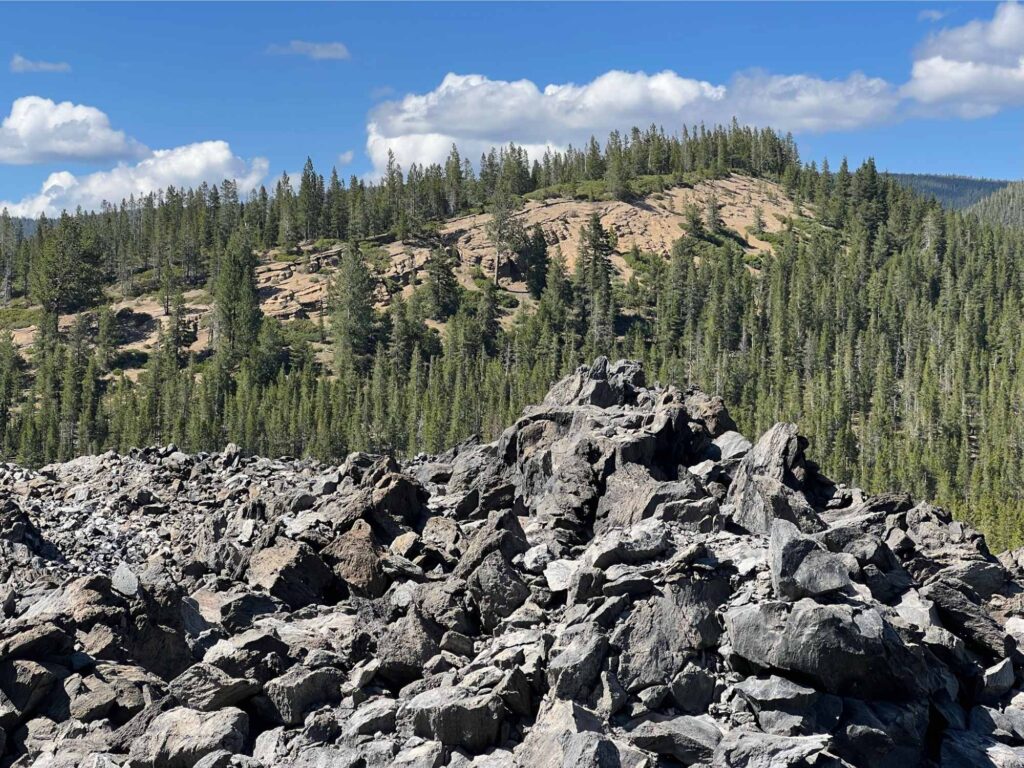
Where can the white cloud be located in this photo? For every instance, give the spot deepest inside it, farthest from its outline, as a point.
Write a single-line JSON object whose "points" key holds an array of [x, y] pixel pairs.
{"points": [[346, 157], [317, 51], [38, 130], [973, 70], [185, 166], [932, 14], [21, 65], [477, 113], [970, 71]]}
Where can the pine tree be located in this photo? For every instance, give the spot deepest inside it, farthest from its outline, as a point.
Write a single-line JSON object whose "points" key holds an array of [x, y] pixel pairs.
{"points": [[504, 230], [535, 261], [309, 202], [442, 285], [238, 311], [352, 312]]}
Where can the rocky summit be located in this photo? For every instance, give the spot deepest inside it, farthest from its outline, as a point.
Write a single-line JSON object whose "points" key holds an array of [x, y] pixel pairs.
{"points": [[620, 580]]}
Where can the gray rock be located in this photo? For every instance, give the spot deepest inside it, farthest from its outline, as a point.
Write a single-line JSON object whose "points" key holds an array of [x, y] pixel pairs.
{"points": [[854, 651], [207, 688], [731, 445], [405, 647], [125, 581], [181, 737], [292, 572], [692, 690], [769, 481], [641, 542], [355, 558], [689, 740], [801, 567], [455, 717], [962, 749], [750, 749], [375, 716], [24, 685], [300, 689], [573, 670], [660, 633], [496, 589], [785, 708], [997, 680]]}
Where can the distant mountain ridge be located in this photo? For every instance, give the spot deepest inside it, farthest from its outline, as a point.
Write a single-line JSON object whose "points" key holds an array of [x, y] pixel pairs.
{"points": [[952, 191]]}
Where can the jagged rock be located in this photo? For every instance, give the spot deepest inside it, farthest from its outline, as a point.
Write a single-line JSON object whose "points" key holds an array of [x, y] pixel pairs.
{"points": [[785, 708], [496, 590], [997, 680], [181, 737], [846, 649], [692, 690], [24, 685], [731, 445], [205, 687], [405, 647], [750, 749], [574, 668], [801, 567], [376, 716], [292, 572], [768, 483], [689, 740], [300, 689], [961, 613], [456, 718], [356, 560], [633, 494], [661, 632]]}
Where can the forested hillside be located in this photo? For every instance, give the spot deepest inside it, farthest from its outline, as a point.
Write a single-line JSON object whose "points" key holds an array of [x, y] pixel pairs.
{"points": [[887, 327], [957, 192], [1005, 207]]}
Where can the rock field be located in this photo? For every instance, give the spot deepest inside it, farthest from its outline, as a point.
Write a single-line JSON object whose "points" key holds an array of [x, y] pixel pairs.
{"points": [[621, 580]]}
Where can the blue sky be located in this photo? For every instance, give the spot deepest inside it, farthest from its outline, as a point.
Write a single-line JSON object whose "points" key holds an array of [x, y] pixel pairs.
{"points": [[101, 100]]}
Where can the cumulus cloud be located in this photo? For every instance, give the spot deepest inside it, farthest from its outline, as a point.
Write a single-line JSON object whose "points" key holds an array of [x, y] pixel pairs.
{"points": [[21, 65], [317, 51], [185, 166], [39, 130], [346, 157], [972, 70], [476, 112]]}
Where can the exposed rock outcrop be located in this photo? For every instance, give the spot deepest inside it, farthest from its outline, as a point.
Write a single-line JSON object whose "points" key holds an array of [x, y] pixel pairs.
{"points": [[621, 579]]}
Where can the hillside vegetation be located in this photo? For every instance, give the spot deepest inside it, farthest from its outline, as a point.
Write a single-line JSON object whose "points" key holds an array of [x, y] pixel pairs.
{"points": [[957, 192], [1005, 207], [887, 327]]}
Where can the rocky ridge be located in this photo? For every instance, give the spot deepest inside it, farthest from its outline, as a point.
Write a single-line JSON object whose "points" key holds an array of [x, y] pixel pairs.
{"points": [[621, 579]]}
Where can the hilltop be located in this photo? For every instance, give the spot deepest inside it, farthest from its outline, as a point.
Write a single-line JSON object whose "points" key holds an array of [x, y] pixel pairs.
{"points": [[294, 285]]}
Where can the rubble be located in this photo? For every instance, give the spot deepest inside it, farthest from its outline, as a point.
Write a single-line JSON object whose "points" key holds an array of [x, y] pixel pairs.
{"points": [[621, 579]]}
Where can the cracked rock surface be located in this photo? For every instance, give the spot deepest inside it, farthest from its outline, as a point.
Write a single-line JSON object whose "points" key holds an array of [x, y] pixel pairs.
{"points": [[620, 580]]}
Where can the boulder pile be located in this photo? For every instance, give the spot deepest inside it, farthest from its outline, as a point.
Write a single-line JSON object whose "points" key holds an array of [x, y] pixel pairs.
{"points": [[621, 580]]}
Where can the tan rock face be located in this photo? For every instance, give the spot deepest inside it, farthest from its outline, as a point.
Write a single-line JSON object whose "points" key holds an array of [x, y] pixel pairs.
{"points": [[652, 223]]}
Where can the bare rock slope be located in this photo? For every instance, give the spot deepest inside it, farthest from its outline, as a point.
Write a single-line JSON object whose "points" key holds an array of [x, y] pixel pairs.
{"points": [[620, 580]]}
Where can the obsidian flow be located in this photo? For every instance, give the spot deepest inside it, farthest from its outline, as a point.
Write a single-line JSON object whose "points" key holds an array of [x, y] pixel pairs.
{"points": [[621, 579]]}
